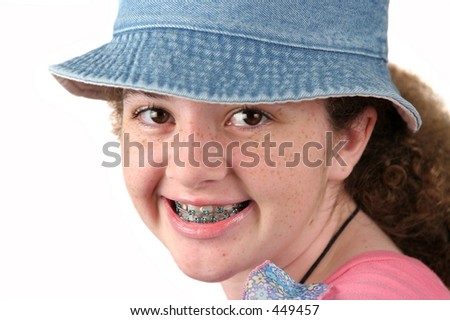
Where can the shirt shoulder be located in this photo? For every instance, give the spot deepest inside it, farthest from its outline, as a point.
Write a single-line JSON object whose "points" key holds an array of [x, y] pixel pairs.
{"points": [[385, 275]]}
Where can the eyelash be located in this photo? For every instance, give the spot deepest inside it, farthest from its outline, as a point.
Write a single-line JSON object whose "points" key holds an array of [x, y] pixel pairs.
{"points": [[140, 110], [251, 109], [167, 116], [268, 117]]}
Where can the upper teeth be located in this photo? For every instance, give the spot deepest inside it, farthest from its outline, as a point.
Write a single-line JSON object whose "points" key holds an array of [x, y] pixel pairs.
{"points": [[207, 213]]}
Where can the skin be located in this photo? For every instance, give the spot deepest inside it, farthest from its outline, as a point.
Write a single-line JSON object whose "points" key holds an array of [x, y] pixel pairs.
{"points": [[293, 212]]}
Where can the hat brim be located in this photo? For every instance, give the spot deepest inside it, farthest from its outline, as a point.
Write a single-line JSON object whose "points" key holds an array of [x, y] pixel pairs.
{"points": [[222, 68]]}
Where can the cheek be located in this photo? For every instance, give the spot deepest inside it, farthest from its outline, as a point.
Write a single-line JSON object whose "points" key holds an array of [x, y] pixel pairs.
{"points": [[291, 176], [142, 165], [142, 184], [139, 181]]}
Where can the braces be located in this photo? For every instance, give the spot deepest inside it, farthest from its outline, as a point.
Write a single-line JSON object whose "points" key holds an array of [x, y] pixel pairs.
{"points": [[207, 214]]}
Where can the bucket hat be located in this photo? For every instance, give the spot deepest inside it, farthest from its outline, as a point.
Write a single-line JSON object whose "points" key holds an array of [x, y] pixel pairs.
{"points": [[243, 51]]}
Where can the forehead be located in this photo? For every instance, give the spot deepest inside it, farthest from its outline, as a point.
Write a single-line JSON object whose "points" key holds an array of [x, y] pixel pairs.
{"points": [[136, 93], [130, 94]]}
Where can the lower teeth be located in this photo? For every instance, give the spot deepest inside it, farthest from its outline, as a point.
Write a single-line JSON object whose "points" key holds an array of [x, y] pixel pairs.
{"points": [[207, 214]]}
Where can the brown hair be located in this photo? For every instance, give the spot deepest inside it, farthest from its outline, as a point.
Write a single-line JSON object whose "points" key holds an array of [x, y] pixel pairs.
{"points": [[115, 101], [403, 179]]}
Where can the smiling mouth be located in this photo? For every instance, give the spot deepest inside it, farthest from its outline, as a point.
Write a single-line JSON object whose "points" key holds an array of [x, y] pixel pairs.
{"points": [[208, 214]]}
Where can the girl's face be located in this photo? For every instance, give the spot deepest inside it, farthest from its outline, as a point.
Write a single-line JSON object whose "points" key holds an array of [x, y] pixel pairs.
{"points": [[226, 187]]}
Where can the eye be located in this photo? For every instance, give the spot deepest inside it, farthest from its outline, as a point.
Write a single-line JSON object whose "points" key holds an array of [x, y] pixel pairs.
{"points": [[248, 118], [153, 115]]}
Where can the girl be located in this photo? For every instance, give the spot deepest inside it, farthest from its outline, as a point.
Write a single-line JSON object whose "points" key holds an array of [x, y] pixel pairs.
{"points": [[266, 146]]}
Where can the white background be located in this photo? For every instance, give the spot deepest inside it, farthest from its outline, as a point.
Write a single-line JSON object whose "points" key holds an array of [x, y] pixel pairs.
{"points": [[67, 228]]}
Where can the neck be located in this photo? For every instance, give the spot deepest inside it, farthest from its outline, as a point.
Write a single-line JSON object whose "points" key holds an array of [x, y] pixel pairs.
{"points": [[303, 254], [234, 286]]}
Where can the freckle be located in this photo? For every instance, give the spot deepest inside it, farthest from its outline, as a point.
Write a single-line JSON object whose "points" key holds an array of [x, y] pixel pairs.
{"points": [[224, 254]]}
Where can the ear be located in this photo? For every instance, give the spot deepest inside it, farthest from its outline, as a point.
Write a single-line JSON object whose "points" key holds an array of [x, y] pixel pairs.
{"points": [[346, 156]]}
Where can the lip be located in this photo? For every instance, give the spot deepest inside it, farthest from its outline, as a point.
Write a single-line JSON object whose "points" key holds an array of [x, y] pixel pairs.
{"points": [[204, 230]]}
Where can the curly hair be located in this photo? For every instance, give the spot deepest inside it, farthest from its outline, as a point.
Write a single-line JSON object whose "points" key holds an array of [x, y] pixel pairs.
{"points": [[115, 101], [402, 180]]}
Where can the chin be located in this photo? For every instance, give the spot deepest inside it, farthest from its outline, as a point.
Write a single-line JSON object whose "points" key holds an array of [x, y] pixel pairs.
{"points": [[210, 278], [205, 272]]}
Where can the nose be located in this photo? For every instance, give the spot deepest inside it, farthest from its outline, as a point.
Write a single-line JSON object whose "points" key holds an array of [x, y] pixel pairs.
{"points": [[196, 157]]}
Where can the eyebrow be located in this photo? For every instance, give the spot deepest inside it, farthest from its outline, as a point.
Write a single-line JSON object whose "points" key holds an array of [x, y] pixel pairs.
{"points": [[152, 95]]}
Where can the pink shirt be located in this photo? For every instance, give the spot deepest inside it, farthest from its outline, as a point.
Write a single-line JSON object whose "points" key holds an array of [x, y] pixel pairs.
{"points": [[385, 275]]}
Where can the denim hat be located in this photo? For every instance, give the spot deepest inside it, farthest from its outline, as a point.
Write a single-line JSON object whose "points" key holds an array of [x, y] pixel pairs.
{"points": [[243, 51]]}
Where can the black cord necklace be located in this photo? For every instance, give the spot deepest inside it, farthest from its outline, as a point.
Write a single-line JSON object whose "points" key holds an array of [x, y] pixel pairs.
{"points": [[327, 248]]}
